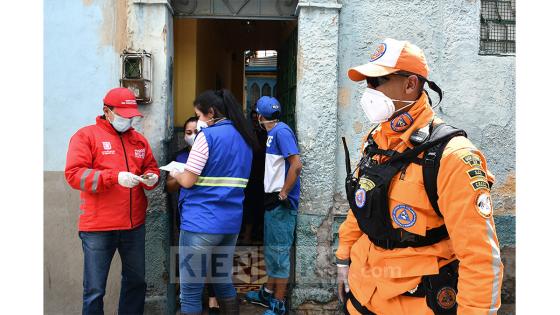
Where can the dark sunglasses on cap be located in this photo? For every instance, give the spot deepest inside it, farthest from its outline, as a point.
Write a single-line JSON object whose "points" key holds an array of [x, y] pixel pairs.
{"points": [[377, 81]]}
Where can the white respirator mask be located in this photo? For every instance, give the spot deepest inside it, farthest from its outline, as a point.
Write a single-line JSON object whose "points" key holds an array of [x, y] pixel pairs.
{"points": [[378, 107]]}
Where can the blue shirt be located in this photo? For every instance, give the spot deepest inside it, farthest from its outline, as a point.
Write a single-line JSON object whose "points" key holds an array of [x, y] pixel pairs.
{"points": [[281, 144]]}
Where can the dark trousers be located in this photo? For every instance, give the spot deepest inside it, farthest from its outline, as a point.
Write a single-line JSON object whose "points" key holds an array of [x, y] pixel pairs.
{"points": [[99, 249]]}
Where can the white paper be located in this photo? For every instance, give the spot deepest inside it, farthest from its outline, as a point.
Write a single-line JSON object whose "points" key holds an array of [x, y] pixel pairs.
{"points": [[180, 167]]}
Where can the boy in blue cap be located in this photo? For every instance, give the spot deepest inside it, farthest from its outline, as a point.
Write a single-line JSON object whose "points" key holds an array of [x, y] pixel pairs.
{"points": [[282, 188]]}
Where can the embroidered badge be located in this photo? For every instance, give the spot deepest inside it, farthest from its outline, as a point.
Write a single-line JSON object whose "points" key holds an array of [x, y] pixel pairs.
{"points": [[139, 153], [484, 205], [106, 145], [360, 197], [480, 184], [472, 160], [366, 184], [404, 216], [379, 52], [476, 172], [447, 298], [401, 122]]}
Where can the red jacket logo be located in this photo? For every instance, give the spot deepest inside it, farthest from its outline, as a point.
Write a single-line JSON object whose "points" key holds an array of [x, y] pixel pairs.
{"points": [[106, 145], [139, 153]]}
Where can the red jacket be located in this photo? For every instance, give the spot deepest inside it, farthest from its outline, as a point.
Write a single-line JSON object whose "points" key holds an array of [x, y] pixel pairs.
{"points": [[96, 155]]}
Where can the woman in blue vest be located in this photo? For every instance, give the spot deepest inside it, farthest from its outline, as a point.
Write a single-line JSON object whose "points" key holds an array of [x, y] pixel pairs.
{"points": [[217, 171]]}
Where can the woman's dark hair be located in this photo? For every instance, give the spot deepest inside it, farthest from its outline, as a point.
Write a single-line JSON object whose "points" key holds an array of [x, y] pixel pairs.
{"points": [[190, 120], [225, 105]]}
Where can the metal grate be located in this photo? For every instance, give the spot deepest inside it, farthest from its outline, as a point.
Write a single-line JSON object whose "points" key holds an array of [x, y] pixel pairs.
{"points": [[497, 27]]}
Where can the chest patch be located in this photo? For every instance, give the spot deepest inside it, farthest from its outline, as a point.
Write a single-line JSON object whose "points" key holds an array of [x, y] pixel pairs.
{"points": [[107, 148], [106, 145], [139, 153], [404, 216]]}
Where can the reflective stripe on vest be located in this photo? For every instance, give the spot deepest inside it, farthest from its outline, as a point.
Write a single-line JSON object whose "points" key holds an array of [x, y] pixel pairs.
{"points": [[222, 181]]}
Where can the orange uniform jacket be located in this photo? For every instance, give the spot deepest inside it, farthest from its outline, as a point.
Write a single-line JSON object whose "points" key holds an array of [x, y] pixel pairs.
{"points": [[377, 277]]}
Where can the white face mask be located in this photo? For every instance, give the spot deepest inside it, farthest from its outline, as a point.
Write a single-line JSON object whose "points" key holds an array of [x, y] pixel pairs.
{"points": [[120, 124], [200, 124], [378, 107], [189, 139]]}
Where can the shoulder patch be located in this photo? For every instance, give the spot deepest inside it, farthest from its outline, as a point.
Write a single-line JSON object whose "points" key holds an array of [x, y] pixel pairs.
{"points": [[484, 205], [472, 160], [476, 173], [480, 184]]}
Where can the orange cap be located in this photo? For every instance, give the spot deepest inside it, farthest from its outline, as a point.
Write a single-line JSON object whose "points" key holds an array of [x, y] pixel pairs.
{"points": [[389, 57]]}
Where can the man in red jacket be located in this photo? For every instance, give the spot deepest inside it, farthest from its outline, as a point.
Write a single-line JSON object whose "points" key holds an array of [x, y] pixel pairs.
{"points": [[111, 164]]}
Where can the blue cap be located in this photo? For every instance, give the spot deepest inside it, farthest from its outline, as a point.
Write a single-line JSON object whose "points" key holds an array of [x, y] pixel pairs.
{"points": [[267, 106]]}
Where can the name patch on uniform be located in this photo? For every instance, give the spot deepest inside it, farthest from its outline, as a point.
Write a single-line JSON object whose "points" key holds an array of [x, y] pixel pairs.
{"points": [[472, 160], [480, 184], [476, 172], [366, 184], [360, 197], [139, 153], [404, 216], [484, 205]]}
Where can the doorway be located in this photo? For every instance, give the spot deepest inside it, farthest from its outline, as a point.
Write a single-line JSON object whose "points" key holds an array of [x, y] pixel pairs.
{"points": [[251, 58]]}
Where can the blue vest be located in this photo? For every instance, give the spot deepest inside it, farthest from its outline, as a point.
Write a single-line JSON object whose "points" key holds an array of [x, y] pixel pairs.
{"points": [[215, 203]]}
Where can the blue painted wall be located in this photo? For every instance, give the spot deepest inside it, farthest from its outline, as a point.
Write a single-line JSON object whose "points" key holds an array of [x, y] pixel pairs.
{"points": [[78, 70]]}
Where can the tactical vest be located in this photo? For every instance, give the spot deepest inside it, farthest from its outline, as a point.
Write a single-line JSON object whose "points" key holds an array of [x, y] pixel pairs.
{"points": [[367, 194]]}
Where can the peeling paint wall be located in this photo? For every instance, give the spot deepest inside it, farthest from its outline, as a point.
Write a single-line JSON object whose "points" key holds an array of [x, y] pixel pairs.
{"points": [[150, 28]]}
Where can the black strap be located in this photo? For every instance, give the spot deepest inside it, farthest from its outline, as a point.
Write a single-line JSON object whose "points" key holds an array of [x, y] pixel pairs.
{"points": [[408, 239], [431, 160], [359, 307], [346, 156]]}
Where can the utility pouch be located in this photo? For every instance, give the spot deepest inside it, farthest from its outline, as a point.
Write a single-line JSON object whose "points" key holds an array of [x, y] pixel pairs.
{"points": [[441, 289]]}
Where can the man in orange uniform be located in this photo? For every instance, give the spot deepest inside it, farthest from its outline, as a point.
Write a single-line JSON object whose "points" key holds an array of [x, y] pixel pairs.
{"points": [[403, 249]]}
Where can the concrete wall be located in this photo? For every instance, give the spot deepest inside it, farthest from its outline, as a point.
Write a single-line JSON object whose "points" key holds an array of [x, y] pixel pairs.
{"points": [[81, 60]]}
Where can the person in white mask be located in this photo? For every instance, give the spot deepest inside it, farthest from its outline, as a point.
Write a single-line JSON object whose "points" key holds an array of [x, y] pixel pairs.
{"points": [[191, 127], [419, 202], [111, 164]]}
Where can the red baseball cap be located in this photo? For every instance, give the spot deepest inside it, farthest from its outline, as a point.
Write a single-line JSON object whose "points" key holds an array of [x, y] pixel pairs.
{"points": [[123, 101]]}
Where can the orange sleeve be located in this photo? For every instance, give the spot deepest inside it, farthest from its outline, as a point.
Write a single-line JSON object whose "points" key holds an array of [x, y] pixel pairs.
{"points": [[465, 203], [348, 233]]}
